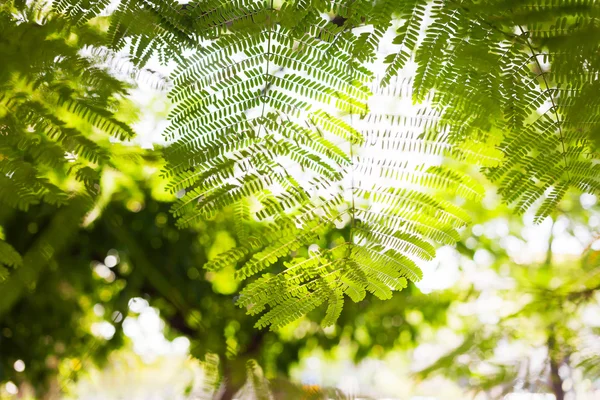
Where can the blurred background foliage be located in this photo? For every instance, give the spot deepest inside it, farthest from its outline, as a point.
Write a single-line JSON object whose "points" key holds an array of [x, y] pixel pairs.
{"points": [[128, 248], [516, 307]]}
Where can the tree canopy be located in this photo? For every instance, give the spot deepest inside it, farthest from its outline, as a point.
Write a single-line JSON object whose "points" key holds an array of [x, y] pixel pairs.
{"points": [[318, 153]]}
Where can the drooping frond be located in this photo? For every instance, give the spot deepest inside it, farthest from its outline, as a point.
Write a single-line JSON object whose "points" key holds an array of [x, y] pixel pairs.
{"points": [[212, 378], [392, 201], [407, 35], [259, 106], [256, 386], [145, 27], [527, 73], [57, 109], [9, 258], [587, 359], [271, 118]]}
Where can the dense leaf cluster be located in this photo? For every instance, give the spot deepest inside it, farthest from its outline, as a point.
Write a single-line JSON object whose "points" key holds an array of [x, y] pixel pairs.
{"points": [[277, 114]]}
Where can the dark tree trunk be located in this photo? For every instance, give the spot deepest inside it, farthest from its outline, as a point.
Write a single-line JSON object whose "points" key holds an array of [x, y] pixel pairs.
{"points": [[556, 382], [234, 371], [234, 377]]}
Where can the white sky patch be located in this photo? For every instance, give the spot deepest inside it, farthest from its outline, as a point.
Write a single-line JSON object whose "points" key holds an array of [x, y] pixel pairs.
{"points": [[588, 200], [11, 388], [147, 333], [19, 366], [103, 329], [440, 273]]}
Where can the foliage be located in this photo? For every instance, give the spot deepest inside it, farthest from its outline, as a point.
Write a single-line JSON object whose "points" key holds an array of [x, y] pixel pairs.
{"points": [[525, 69], [58, 110], [157, 262], [57, 285], [540, 307], [277, 119], [259, 111], [269, 106]]}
